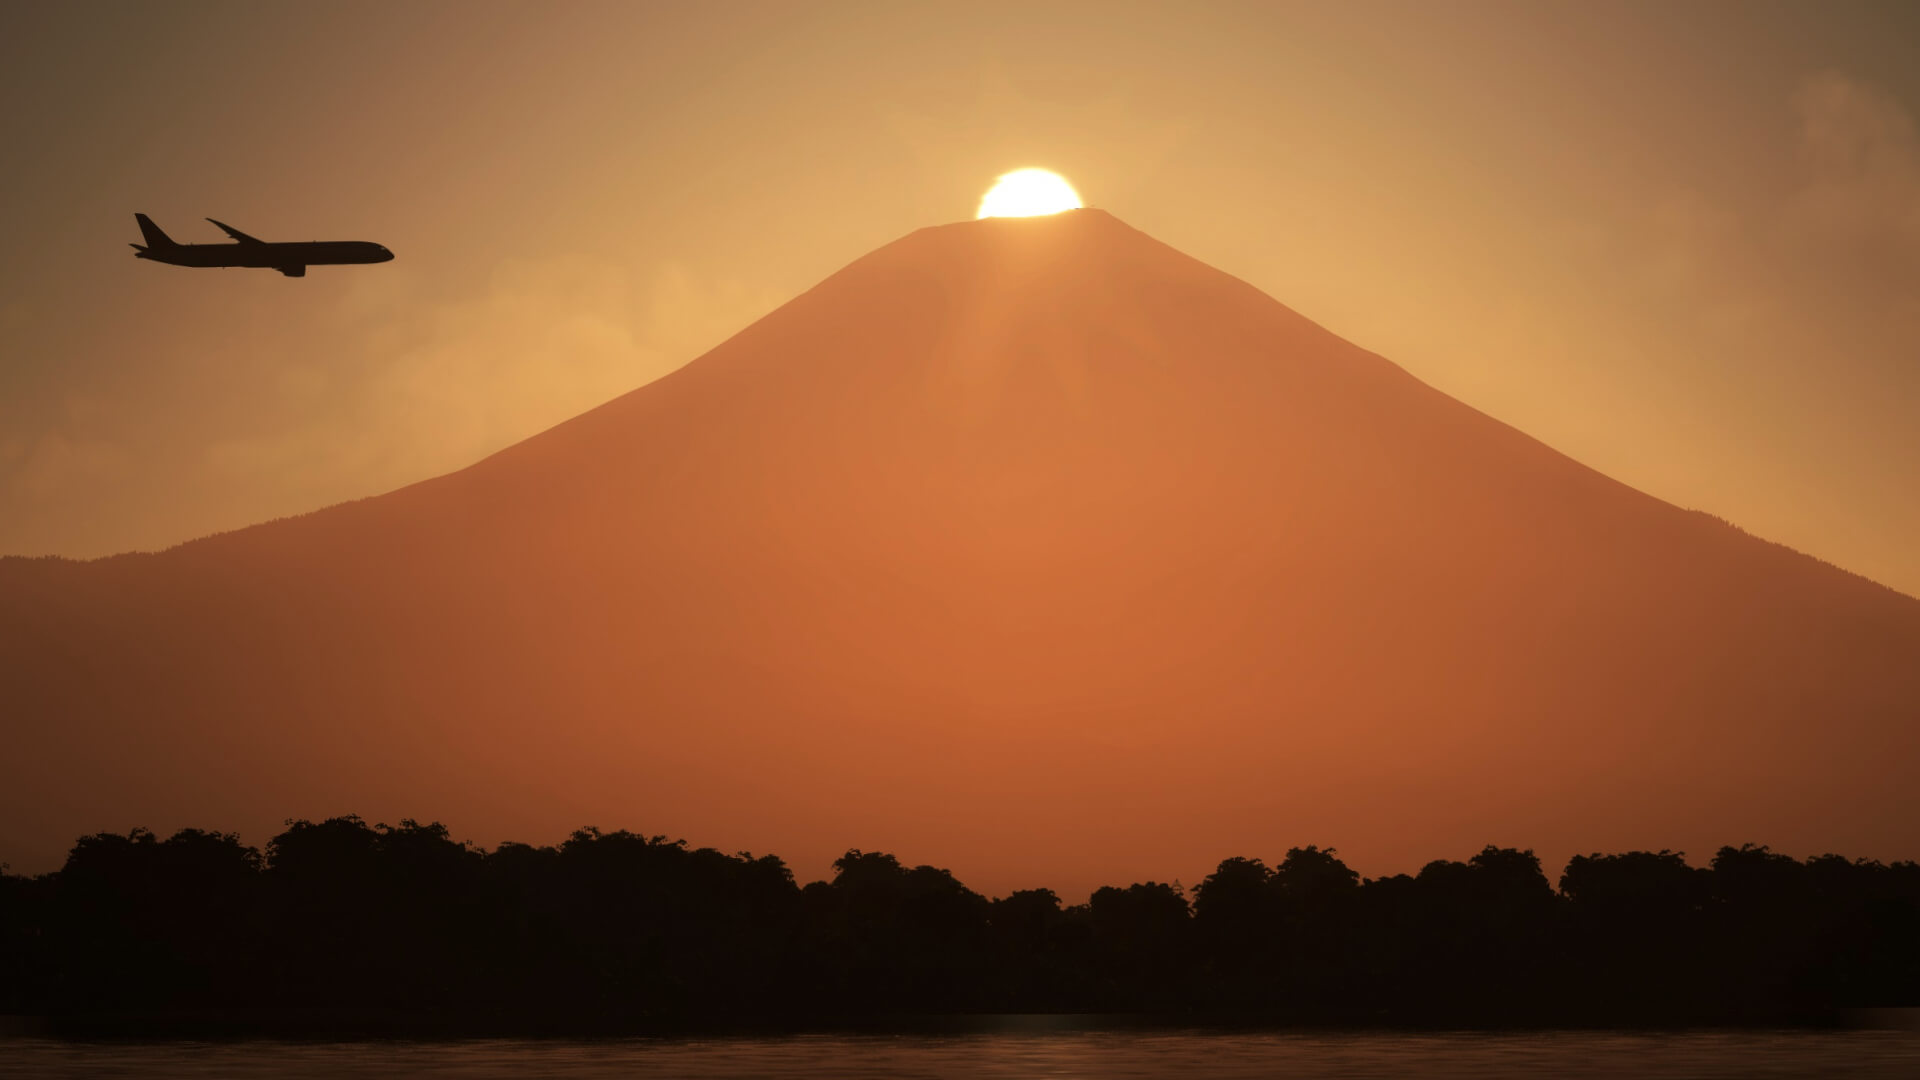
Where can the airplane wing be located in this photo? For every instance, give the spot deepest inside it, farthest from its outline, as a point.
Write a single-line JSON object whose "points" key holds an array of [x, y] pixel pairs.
{"points": [[237, 234]]}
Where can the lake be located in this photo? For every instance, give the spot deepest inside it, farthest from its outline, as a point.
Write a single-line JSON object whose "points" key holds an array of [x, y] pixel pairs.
{"points": [[1010, 1054]]}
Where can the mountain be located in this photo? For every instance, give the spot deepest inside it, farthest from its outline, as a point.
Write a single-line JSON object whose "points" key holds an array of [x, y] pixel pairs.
{"points": [[1029, 547]]}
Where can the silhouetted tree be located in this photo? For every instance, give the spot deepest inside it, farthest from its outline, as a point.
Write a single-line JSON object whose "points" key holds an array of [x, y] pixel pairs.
{"points": [[1470, 936], [1638, 931], [1237, 927], [1762, 900], [27, 947], [140, 918], [1039, 952], [1321, 938], [1142, 945], [903, 935]]}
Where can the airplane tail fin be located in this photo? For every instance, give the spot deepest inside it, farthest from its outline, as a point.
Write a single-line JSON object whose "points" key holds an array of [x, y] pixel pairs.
{"points": [[155, 236]]}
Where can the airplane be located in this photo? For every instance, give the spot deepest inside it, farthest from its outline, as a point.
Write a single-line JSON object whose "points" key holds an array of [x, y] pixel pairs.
{"points": [[290, 259]]}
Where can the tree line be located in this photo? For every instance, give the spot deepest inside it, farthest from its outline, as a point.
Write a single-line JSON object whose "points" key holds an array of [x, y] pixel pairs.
{"points": [[343, 925]]}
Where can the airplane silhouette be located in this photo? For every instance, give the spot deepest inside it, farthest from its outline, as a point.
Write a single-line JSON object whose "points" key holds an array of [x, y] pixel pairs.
{"points": [[290, 259]]}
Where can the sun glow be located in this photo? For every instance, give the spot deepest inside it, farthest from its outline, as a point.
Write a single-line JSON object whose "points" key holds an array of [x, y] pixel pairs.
{"points": [[1026, 193]]}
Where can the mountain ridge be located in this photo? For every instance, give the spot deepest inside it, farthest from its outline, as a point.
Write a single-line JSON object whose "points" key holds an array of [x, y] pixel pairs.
{"points": [[922, 235]]}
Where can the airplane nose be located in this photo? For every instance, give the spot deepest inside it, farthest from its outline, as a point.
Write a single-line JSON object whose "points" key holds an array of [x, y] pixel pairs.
{"points": [[385, 255]]}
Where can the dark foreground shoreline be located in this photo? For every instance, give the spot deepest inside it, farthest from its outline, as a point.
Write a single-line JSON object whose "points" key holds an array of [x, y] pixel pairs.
{"points": [[345, 930]]}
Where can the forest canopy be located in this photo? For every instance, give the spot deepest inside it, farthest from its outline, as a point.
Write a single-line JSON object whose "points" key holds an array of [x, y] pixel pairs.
{"points": [[343, 925]]}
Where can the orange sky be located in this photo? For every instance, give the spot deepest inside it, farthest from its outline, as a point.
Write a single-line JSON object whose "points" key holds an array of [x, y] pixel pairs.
{"points": [[1679, 242]]}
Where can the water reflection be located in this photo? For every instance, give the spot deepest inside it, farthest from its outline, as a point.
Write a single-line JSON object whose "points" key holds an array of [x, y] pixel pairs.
{"points": [[1028, 1055]]}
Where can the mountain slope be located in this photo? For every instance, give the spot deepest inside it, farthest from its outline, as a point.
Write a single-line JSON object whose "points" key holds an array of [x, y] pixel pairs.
{"points": [[1027, 546]]}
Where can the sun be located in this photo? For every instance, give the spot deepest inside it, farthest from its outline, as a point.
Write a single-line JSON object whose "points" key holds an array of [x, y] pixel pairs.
{"points": [[1027, 192]]}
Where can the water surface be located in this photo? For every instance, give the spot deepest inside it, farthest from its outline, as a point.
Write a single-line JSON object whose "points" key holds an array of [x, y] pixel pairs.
{"points": [[1037, 1054]]}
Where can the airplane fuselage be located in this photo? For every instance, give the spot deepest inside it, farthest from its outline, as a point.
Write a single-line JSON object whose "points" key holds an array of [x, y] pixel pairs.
{"points": [[274, 256], [291, 259]]}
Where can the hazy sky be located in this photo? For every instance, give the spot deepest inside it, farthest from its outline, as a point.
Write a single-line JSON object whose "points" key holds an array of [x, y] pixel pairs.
{"points": [[1680, 242]]}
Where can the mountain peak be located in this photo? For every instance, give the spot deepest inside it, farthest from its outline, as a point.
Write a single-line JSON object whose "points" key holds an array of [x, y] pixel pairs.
{"points": [[1030, 246]]}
